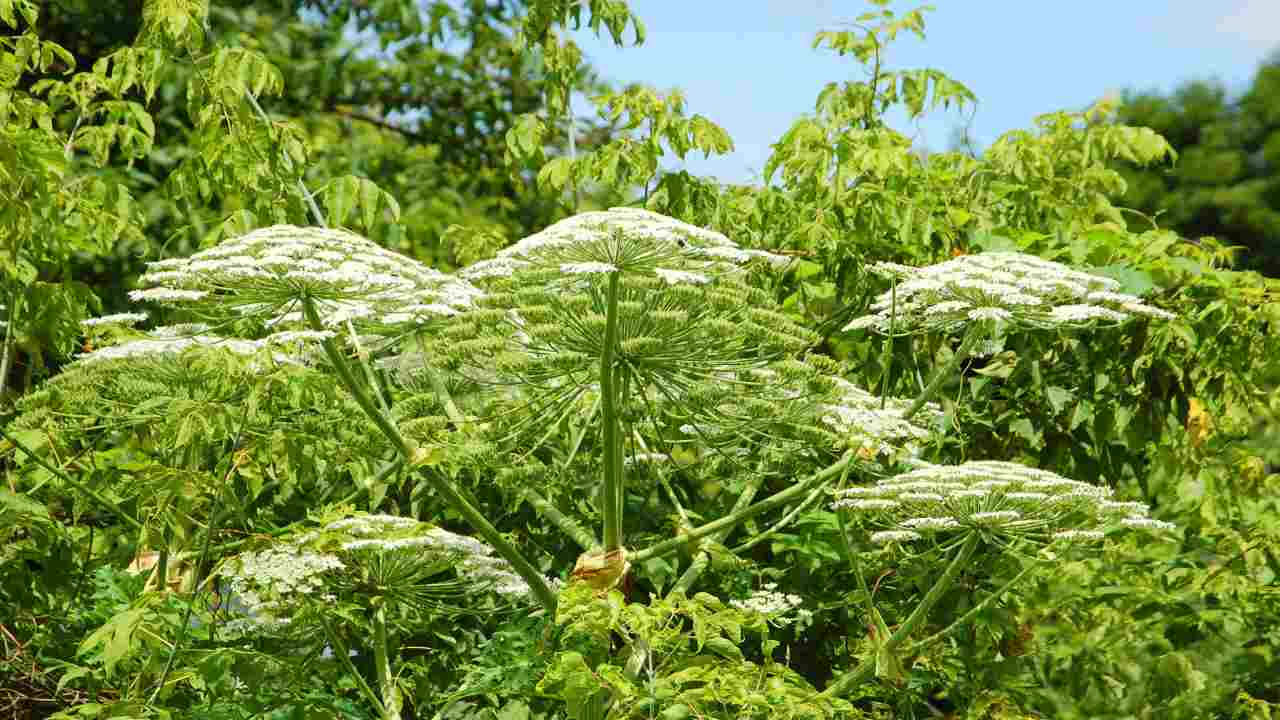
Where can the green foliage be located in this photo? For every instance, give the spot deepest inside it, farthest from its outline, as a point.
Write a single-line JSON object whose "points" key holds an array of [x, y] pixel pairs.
{"points": [[680, 657], [652, 415], [1223, 184]]}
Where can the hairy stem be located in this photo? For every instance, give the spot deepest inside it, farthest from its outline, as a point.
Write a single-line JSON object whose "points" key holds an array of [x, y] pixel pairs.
{"points": [[307, 197], [340, 651], [786, 520], [7, 345], [567, 525], [917, 616], [200, 561], [613, 470], [391, 700], [773, 501], [973, 611]]}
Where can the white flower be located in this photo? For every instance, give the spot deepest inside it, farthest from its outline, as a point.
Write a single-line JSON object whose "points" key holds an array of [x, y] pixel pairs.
{"points": [[769, 602], [1011, 287], [996, 517], [884, 537], [989, 313], [1146, 523], [867, 504], [1079, 535], [931, 523], [674, 277], [1002, 496], [162, 294], [649, 457], [116, 319], [1085, 313], [297, 336], [585, 268]]}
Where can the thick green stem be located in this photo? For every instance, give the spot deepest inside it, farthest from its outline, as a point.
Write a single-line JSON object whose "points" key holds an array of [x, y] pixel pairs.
{"points": [[785, 521], [613, 470], [700, 563], [940, 376], [773, 501], [965, 619], [200, 561], [391, 701], [340, 651], [917, 616], [568, 525], [412, 456], [108, 504]]}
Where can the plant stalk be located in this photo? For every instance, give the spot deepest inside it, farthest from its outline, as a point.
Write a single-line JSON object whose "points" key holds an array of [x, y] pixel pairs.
{"points": [[703, 559], [613, 470], [942, 373], [412, 455], [917, 616], [776, 500], [340, 651], [391, 700], [64, 477], [307, 197]]}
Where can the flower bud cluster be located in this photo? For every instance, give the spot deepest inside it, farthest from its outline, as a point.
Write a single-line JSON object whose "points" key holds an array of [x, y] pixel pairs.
{"points": [[997, 287], [998, 497]]}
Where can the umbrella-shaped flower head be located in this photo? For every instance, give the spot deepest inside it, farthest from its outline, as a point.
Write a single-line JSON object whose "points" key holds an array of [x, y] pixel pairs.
{"points": [[997, 288]]}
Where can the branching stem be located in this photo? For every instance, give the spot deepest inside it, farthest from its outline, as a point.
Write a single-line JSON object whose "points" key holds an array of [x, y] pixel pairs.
{"points": [[773, 501], [412, 457], [917, 616], [941, 374]]}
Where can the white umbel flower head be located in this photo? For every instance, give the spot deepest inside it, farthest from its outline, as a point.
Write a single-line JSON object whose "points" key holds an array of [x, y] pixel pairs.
{"points": [[993, 497], [778, 608], [122, 319], [875, 428], [317, 565], [998, 286], [626, 240], [171, 345], [265, 273]]}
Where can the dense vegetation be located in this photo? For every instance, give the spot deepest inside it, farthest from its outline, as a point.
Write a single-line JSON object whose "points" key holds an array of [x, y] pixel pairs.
{"points": [[1226, 182], [329, 390]]}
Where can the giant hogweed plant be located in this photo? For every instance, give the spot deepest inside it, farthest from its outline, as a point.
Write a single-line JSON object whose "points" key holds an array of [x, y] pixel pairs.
{"points": [[655, 330]]}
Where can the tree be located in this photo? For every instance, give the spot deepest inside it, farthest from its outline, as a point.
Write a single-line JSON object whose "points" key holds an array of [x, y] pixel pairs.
{"points": [[173, 114], [1226, 180]]}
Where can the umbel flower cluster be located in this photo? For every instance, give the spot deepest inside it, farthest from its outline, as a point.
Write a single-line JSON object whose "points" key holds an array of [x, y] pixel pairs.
{"points": [[997, 287], [776, 606], [701, 356], [273, 584], [265, 274], [1005, 500]]}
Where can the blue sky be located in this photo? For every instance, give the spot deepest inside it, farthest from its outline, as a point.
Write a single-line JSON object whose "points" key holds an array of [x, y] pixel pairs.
{"points": [[747, 64]]}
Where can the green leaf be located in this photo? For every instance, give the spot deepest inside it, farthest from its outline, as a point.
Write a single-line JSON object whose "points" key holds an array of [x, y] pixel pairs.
{"points": [[1058, 397], [555, 174]]}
